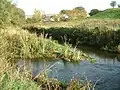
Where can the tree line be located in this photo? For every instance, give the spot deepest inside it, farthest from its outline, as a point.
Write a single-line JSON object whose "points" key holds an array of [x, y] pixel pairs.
{"points": [[10, 14], [95, 11]]}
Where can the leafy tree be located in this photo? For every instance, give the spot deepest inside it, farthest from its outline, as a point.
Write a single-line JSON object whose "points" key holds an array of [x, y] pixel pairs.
{"points": [[93, 12], [10, 14], [17, 15], [75, 13], [37, 16], [79, 12], [63, 11], [113, 4], [118, 5], [79, 8], [4, 11]]}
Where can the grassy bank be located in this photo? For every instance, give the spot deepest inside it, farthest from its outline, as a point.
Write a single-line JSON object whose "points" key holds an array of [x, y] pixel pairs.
{"points": [[111, 13], [22, 44], [11, 79], [104, 34], [17, 43]]}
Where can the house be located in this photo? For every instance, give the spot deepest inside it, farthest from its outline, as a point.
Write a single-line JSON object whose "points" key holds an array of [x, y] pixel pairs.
{"points": [[48, 17]]}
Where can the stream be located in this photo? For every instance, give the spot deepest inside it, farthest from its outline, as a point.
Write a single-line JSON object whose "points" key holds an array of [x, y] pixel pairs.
{"points": [[105, 72]]}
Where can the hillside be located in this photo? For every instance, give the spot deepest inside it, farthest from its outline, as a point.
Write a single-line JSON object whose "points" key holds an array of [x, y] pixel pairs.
{"points": [[108, 13]]}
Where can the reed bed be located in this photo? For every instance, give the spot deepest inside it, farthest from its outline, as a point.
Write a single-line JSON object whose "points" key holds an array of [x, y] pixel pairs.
{"points": [[102, 33], [17, 43]]}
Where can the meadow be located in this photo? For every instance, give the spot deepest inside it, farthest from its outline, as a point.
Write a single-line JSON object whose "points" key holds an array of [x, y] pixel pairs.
{"points": [[102, 33]]}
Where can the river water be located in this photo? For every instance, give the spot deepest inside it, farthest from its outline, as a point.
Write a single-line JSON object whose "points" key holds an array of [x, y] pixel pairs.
{"points": [[105, 72]]}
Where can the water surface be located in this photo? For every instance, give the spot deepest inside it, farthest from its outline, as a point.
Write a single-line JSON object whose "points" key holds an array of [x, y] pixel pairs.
{"points": [[106, 70]]}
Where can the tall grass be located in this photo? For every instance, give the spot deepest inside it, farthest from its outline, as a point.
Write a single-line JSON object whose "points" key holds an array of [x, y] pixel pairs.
{"points": [[17, 43], [10, 79], [22, 44], [105, 34], [89, 22]]}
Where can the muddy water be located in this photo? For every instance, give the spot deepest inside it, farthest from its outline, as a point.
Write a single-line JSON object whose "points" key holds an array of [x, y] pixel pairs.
{"points": [[106, 71]]}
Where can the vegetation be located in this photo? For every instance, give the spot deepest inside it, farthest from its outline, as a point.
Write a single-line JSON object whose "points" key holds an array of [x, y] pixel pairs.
{"points": [[108, 14], [26, 45], [100, 33], [17, 43], [118, 5], [93, 12], [113, 3], [76, 13], [50, 41], [11, 79], [10, 14]]}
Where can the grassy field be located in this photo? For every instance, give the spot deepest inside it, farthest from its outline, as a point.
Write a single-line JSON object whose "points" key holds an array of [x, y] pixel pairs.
{"points": [[111, 13], [89, 22], [102, 33]]}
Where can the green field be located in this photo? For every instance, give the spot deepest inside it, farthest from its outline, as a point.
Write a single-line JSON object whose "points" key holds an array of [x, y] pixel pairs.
{"points": [[108, 14]]}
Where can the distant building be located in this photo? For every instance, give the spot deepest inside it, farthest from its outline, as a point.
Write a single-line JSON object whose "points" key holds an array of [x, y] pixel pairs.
{"points": [[48, 17], [66, 16]]}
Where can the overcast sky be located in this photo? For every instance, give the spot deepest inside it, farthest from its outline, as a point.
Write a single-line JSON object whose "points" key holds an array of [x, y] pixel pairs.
{"points": [[54, 6]]}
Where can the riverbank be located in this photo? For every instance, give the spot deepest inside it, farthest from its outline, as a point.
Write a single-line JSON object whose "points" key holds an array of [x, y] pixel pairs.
{"points": [[22, 44], [104, 34], [17, 43]]}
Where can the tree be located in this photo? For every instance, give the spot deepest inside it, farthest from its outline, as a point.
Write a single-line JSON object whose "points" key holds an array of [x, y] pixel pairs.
{"points": [[79, 12], [79, 8], [118, 5], [4, 11], [63, 11], [93, 12], [17, 15], [37, 16], [75, 13], [113, 4], [10, 14]]}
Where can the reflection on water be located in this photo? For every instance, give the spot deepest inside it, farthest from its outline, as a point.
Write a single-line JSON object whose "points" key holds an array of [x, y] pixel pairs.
{"points": [[101, 56], [106, 69]]}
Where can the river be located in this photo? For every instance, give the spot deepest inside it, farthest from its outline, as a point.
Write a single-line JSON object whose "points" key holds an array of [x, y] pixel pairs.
{"points": [[105, 72]]}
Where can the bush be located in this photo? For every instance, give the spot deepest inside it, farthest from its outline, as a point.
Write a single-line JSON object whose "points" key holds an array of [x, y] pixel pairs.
{"points": [[92, 32], [108, 13], [10, 14], [93, 12]]}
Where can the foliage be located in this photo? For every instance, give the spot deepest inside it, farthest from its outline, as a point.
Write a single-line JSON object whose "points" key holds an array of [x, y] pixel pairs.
{"points": [[29, 21], [76, 13], [26, 45], [10, 14], [118, 5], [103, 34], [18, 16], [37, 16], [108, 14], [11, 79], [15, 42], [113, 4], [93, 12], [63, 11]]}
